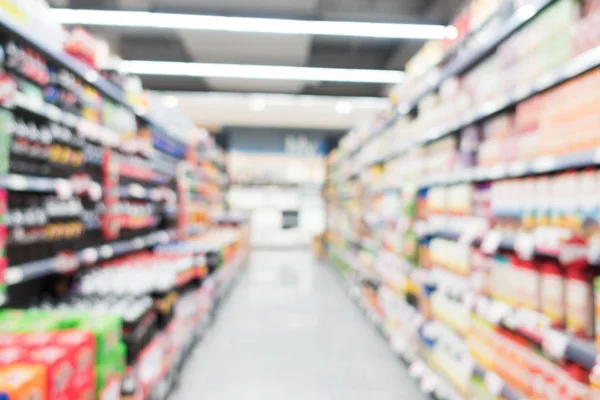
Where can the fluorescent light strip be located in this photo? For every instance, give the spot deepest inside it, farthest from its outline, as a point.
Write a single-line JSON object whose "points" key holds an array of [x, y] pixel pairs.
{"points": [[167, 68], [256, 25]]}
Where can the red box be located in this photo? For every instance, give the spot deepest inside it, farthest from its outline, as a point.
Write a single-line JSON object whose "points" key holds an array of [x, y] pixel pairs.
{"points": [[83, 346], [14, 355], [38, 340], [10, 340], [86, 391], [59, 363]]}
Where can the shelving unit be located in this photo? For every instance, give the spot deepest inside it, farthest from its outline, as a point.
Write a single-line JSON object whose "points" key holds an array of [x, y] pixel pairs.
{"points": [[462, 63], [386, 172], [91, 190]]}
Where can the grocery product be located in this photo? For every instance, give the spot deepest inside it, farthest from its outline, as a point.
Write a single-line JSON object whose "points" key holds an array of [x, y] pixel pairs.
{"points": [[23, 382], [92, 180], [500, 137], [552, 292]]}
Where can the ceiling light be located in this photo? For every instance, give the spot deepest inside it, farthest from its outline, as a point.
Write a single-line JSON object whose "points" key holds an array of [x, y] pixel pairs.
{"points": [[168, 68], [258, 105], [451, 32], [257, 25], [344, 107], [170, 101]]}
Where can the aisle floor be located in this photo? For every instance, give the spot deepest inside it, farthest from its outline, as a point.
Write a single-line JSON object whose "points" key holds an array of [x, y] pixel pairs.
{"points": [[289, 332]]}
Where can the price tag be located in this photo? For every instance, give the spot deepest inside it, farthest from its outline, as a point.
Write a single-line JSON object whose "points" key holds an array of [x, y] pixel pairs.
{"points": [[579, 64], [136, 190], [532, 322], [491, 242], [13, 275], [467, 365], [497, 172], [522, 92], [138, 243], [52, 112], [71, 120], [480, 173], [481, 306], [36, 105], [544, 164], [511, 321], [429, 382], [89, 256], [555, 344], [106, 251], [19, 99], [493, 383], [594, 255], [570, 253], [164, 237], [66, 263], [63, 188], [155, 194], [17, 182], [488, 107], [417, 369], [597, 156], [95, 191], [469, 235], [497, 312], [546, 80], [525, 246], [398, 343], [518, 168]]}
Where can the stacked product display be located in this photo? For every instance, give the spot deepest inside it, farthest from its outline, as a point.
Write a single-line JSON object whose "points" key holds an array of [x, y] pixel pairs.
{"points": [[467, 221], [115, 241], [125, 329]]}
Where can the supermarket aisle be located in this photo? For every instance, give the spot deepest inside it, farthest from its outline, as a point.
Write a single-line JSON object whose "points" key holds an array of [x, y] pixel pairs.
{"points": [[288, 331]]}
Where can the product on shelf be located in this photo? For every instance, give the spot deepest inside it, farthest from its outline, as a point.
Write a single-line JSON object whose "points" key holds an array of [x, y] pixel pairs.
{"points": [[503, 295], [87, 179], [66, 346]]}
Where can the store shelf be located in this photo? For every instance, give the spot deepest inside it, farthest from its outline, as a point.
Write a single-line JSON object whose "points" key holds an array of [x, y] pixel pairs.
{"points": [[555, 344], [519, 19], [91, 76], [575, 67], [38, 269], [25, 183], [63, 59], [460, 65], [506, 243], [385, 190], [430, 382], [43, 109], [527, 245], [495, 384], [167, 143], [539, 165], [135, 191], [535, 327]]}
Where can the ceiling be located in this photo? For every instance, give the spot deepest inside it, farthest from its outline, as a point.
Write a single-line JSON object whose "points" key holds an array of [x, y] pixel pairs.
{"points": [[270, 49], [216, 110]]}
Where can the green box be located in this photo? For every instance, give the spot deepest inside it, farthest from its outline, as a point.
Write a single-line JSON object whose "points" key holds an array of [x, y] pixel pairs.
{"points": [[107, 330], [28, 321]]}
